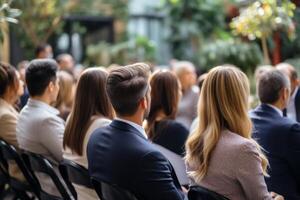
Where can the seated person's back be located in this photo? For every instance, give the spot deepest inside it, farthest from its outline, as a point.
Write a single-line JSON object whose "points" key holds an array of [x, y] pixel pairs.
{"points": [[279, 136], [161, 126], [120, 153], [39, 129]]}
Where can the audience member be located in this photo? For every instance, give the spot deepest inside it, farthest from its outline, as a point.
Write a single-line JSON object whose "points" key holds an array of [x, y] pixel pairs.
{"points": [[120, 153], [161, 126], [22, 66], [293, 107], [39, 129], [66, 63], [221, 155], [279, 136], [65, 95], [43, 51], [187, 110], [200, 82], [91, 110], [11, 88], [260, 70]]}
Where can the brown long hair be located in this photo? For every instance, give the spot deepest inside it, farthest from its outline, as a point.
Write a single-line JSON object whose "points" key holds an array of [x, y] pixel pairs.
{"points": [[8, 78], [223, 104], [90, 99], [165, 93]]}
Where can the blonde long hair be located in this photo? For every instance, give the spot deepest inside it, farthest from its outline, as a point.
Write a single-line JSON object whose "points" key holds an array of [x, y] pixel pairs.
{"points": [[223, 104]]}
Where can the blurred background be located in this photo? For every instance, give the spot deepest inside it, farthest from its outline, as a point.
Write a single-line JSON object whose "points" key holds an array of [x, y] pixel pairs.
{"points": [[103, 32]]}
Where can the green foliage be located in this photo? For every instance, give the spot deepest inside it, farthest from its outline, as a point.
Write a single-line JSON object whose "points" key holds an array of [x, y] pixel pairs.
{"points": [[244, 55], [191, 21], [137, 50], [261, 18]]}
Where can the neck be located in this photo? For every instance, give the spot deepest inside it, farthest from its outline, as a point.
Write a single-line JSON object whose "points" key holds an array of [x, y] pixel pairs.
{"points": [[135, 119], [9, 99], [42, 98], [278, 105]]}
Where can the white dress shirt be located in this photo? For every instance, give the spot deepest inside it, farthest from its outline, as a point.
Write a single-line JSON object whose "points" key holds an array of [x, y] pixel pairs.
{"points": [[136, 126], [291, 107]]}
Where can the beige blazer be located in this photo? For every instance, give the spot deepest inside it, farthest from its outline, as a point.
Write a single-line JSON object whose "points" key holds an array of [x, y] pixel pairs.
{"points": [[8, 123], [82, 192]]}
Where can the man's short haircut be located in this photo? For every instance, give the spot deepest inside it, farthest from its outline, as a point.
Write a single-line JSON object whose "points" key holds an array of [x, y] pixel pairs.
{"points": [[126, 86], [270, 85], [39, 74]]}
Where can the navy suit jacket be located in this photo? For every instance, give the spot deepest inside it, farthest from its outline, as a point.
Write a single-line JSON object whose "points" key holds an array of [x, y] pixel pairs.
{"points": [[297, 104], [280, 138], [121, 155]]}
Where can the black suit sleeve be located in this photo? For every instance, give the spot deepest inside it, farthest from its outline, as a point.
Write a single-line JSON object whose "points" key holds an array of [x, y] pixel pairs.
{"points": [[293, 151], [155, 179]]}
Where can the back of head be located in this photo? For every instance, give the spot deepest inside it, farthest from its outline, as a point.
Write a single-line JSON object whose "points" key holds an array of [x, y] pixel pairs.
{"points": [[165, 93], [126, 86], [270, 86], [8, 78], [261, 69], [65, 94], [223, 104], [182, 66], [66, 62], [91, 99], [288, 69], [39, 74]]}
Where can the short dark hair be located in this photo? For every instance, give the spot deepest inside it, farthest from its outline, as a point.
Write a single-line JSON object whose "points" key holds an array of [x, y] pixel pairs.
{"points": [[41, 48], [270, 85], [126, 86], [39, 74], [8, 78]]}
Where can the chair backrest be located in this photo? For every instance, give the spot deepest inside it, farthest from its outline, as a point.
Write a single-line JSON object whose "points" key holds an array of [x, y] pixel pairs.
{"points": [[201, 193], [9, 153], [41, 165], [107, 191], [76, 174], [177, 163]]}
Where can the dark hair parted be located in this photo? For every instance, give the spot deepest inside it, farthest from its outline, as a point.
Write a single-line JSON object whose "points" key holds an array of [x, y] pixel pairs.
{"points": [[90, 100], [165, 95], [270, 86], [8, 78], [39, 74], [126, 86]]}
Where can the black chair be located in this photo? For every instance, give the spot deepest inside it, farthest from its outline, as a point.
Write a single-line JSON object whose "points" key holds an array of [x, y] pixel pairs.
{"points": [[108, 191], [74, 173], [8, 154], [201, 193], [38, 164]]}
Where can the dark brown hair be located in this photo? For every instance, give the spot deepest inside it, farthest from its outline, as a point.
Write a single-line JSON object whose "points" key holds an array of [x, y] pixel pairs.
{"points": [[164, 97], [8, 78], [90, 99], [126, 86]]}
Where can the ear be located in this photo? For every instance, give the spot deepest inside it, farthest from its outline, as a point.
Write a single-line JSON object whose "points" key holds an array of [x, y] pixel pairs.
{"points": [[286, 94], [143, 103], [51, 86]]}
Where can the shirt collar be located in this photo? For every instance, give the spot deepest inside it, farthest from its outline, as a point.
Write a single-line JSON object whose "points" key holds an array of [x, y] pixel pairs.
{"points": [[42, 105], [294, 94], [276, 109], [136, 126]]}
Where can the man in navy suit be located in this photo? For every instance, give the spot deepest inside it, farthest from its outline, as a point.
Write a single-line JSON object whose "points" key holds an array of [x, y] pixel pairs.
{"points": [[120, 153], [293, 107], [279, 136]]}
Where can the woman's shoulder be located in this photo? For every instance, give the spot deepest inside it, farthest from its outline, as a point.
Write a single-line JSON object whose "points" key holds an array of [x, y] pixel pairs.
{"points": [[238, 143], [99, 122]]}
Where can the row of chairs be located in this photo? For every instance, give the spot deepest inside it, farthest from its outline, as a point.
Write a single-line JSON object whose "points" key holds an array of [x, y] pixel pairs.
{"points": [[30, 163]]}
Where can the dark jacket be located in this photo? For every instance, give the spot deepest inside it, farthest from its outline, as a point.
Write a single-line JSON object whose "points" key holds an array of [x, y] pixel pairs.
{"points": [[121, 155], [280, 138]]}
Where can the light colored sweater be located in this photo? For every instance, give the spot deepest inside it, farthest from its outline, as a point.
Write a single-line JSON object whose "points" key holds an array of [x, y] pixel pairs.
{"points": [[235, 169]]}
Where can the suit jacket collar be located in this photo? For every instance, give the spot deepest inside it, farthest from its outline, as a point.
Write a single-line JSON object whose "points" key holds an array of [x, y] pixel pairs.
{"points": [[126, 127], [266, 108]]}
